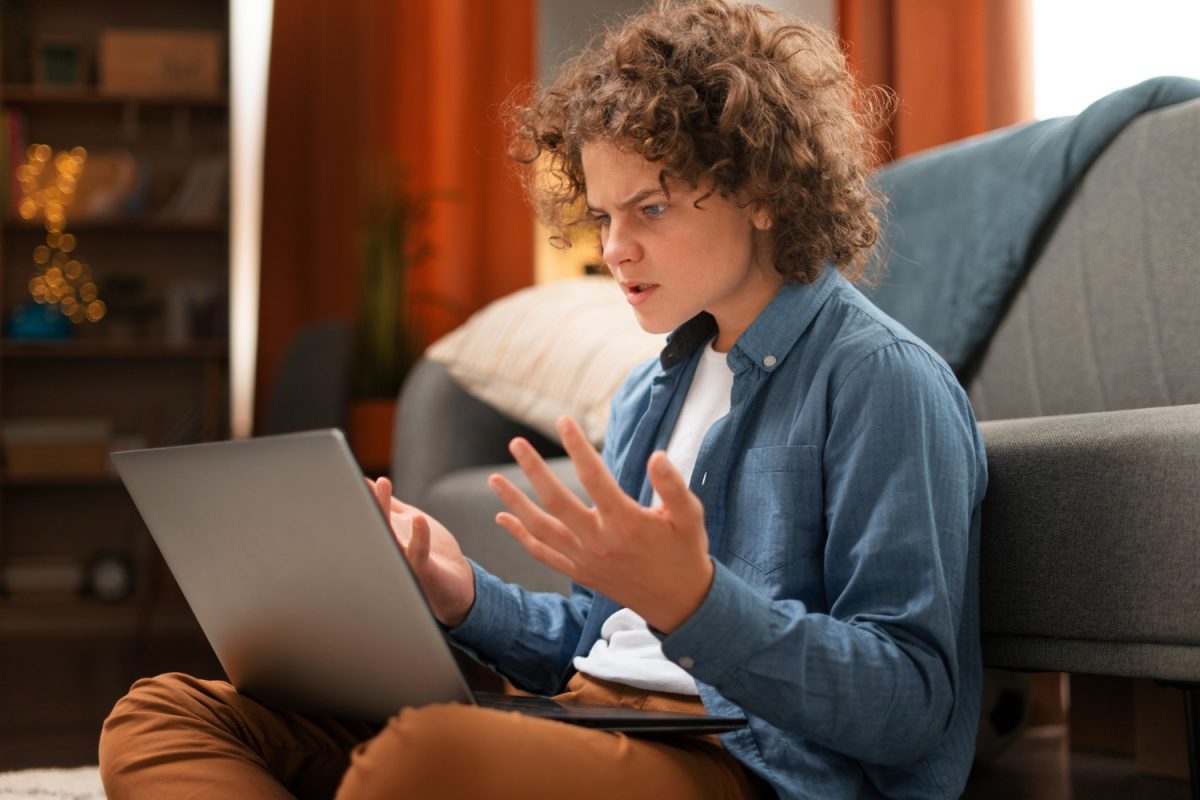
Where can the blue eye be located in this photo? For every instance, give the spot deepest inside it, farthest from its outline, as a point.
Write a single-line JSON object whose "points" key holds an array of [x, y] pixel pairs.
{"points": [[655, 210], [602, 219]]}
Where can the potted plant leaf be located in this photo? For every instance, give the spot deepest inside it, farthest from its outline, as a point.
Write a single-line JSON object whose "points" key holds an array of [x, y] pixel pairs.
{"points": [[386, 343]]}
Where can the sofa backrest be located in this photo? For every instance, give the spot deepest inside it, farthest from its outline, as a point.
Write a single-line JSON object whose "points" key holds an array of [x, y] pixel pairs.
{"points": [[1109, 316]]}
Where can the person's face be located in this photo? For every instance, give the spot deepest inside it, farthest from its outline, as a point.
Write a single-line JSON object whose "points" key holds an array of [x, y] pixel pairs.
{"points": [[672, 259]]}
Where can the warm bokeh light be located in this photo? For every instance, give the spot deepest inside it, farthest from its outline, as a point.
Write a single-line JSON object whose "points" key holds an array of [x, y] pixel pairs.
{"points": [[60, 277]]}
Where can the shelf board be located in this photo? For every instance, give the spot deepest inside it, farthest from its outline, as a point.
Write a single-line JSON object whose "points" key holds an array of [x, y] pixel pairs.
{"points": [[70, 615], [46, 95], [124, 225], [54, 481], [204, 349]]}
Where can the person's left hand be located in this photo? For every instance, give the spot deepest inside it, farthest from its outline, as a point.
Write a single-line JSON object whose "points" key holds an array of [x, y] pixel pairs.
{"points": [[651, 560]]}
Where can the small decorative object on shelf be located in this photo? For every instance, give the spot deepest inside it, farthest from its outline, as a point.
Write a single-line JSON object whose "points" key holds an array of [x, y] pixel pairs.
{"points": [[109, 577], [59, 62], [37, 322]]}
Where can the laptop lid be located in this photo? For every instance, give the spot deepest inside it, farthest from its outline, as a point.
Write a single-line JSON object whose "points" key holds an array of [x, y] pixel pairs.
{"points": [[293, 574]]}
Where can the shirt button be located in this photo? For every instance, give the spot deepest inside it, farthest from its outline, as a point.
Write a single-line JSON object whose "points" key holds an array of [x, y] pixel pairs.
{"points": [[769, 361], [687, 662]]}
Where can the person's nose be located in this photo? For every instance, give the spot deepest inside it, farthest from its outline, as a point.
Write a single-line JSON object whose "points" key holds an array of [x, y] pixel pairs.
{"points": [[620, 247]]}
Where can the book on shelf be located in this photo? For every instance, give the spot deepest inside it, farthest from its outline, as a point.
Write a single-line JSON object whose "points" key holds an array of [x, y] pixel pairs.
{"points": [[56, 447], [43, 575], [203, 192]]}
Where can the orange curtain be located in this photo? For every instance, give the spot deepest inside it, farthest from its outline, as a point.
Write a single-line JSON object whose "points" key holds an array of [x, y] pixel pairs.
{"points": [[357, 86], [958, 67]]}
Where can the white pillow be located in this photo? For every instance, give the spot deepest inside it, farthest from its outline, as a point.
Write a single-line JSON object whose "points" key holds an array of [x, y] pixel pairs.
{"points": [[561, 348]]}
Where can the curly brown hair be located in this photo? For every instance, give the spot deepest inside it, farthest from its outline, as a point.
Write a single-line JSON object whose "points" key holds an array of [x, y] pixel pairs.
{"points": [[728, 96]]}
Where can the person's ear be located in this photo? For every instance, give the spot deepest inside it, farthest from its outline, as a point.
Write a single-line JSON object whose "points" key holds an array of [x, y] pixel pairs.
{"points": [[760, 217]]}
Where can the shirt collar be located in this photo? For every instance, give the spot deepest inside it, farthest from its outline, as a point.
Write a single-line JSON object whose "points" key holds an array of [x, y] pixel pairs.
{"points": [[770, 336]]}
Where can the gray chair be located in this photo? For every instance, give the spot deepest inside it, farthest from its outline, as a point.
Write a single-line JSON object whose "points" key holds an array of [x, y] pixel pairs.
{"points": [[312, 389], [1088, 395]]}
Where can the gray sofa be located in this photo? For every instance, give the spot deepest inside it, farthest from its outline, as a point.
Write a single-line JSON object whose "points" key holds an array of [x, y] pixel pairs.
{"points": [[1089, 398]]}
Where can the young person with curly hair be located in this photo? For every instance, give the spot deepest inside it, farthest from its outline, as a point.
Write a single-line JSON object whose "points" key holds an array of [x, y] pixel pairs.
{"points": [[785, 518]]}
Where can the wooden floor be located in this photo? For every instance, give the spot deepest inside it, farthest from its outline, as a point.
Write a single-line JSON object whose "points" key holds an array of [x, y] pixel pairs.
{"points": [[54, 695], [1041, 766]]}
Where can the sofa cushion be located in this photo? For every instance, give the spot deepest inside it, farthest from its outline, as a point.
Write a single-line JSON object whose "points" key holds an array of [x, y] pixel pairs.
{"points": [[1089, 550], [561, 348]]}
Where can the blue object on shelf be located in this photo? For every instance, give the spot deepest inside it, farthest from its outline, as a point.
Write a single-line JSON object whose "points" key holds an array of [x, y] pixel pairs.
{"points": [[34, 321]]}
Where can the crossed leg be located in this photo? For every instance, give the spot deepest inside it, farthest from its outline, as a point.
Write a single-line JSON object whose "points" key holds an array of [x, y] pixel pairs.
{"points": [[177, 736]]}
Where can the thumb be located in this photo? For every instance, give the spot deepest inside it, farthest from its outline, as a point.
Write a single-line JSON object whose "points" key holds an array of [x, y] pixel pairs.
{"points": [[419, 544]]}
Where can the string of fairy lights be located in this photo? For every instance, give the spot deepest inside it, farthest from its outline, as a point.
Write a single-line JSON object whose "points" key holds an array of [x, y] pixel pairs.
{"points": [[60, 277]]}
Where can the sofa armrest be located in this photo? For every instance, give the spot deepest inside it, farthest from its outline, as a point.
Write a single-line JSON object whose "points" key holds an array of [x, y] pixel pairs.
{"points": [[440, 429], [1090, 550]]}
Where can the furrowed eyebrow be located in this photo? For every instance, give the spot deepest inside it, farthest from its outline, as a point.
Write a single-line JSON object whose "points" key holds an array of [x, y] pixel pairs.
{"points": [[633, 199]]}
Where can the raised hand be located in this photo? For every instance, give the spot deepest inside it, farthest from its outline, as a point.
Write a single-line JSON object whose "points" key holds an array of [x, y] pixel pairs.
{"points": [[651, 560], [433, 554]]}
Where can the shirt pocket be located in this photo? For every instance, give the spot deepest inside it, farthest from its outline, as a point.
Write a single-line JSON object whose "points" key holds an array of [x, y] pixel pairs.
{"points": [[776, 508]]}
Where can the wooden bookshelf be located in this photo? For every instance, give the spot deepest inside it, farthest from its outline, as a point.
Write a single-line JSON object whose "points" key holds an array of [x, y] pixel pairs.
{"points": [[155, 368]]}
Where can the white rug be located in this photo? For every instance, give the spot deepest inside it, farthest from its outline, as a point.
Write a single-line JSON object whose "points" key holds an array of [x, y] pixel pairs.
{"points": [[81, 783]]}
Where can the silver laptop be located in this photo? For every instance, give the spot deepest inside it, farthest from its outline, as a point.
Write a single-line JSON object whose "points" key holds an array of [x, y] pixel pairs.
{"points": [[297, 581]]}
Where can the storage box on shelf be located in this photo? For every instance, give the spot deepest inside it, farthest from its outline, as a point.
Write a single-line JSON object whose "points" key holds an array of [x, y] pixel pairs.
{"points": [[159, 62]]}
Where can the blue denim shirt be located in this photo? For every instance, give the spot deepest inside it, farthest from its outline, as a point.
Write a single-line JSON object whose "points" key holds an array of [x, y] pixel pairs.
{"points": [[842, 499]]}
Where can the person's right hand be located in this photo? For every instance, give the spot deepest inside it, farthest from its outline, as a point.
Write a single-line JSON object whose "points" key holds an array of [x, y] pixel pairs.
{"points": [[433, 554]]}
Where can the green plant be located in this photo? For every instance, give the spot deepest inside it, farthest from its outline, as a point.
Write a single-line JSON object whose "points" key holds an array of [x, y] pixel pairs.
{"points": [[387, 344]]}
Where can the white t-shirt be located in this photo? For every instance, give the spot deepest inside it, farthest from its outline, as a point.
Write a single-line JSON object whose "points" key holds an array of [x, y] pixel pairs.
{"points": [[627, 652]]}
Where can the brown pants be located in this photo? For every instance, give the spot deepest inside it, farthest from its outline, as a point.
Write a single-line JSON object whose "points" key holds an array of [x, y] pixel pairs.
{"points": [[175, 736]]}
